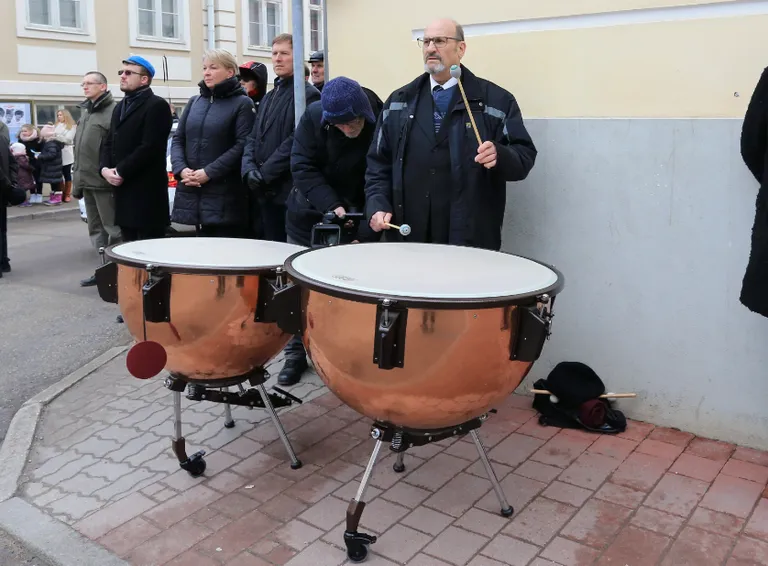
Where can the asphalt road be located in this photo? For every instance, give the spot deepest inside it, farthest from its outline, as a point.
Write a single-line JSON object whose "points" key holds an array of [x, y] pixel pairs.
{"points": [[49, 325], [14, 554]]}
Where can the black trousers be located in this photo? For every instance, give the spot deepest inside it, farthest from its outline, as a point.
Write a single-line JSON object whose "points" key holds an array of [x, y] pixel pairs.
{"points": [[133, 234], [273, 221], [4, 260]]}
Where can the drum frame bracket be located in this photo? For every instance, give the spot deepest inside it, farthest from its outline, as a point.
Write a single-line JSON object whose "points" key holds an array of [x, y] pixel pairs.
{"points": [[157, 296], [283, 306], [533, 330], [106, 281], [402, 439], [389, 340]]}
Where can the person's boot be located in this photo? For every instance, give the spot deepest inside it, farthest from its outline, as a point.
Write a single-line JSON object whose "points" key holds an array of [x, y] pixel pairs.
{"points": [[292, 371], [90, 282], [67, 194]]}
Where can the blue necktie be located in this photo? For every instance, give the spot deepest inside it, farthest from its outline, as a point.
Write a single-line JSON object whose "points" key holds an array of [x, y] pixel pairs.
{"points": [[442, 98]]}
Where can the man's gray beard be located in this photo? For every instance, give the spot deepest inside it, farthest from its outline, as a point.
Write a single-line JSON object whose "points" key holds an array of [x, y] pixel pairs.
{"points": [[435, 70]]}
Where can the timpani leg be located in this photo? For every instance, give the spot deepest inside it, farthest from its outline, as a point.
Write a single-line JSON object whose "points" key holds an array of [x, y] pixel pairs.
{"points": [[229, 422], [506, 508], [399, 466], [357, 543], [295, 462], [194, 464]]}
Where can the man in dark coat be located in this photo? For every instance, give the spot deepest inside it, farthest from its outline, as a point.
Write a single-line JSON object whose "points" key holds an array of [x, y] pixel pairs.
{"points": [[133, 154], [266, 167], [425, 167], [754, 150], [328, 159], [8, 170], [317, 61]]}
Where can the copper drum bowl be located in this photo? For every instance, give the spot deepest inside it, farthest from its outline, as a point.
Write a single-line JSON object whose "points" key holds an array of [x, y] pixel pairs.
{"points": [[421, 336], [200, 299]]}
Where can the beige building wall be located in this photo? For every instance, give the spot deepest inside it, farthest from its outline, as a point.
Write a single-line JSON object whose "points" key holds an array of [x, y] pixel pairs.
{"points": [[652, 58]]}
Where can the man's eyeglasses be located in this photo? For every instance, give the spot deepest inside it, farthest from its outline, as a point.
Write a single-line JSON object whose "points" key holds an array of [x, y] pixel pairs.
{"points": [[439, 42], [128, 73], [85, 84]]}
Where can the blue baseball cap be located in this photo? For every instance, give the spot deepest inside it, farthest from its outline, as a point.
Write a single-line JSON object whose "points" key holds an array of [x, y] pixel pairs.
{"points": [[139, 60]]}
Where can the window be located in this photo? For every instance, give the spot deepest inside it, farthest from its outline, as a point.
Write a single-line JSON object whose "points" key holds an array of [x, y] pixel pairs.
{"points": [[159, 19], [265, 22], [46, 113], [315, 25], [64, 15]]}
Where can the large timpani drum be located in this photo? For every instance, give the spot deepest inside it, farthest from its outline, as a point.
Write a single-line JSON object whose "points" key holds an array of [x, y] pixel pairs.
{"points": [[422, 336], [198, 298]]}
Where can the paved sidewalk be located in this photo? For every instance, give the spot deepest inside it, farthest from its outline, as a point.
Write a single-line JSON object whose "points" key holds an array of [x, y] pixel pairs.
{"points": [[101, 462], [17, 213]]}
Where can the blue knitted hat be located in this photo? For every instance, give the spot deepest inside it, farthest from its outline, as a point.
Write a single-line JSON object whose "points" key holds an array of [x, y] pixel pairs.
{"points": [[343, 100]]}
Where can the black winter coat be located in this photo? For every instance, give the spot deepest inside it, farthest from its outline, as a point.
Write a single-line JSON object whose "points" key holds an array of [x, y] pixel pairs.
{"points": [[136, 145], [477, 207], [328, 171], [211, 135], [269, 145], [50, 162], [754, 150]]}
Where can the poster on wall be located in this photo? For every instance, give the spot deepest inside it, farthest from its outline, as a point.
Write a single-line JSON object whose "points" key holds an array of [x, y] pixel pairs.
{"points": [[15, 115]]}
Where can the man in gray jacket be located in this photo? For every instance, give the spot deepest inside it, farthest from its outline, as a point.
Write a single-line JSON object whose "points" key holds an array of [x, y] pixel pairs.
{"points": [[88, 183]]}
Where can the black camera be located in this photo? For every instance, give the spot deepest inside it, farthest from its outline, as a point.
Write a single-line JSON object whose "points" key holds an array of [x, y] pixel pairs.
{"points": [[333, 230]]}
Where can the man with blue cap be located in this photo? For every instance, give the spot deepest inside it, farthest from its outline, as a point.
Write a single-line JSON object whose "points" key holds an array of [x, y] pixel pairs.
{"points": [[133, 154], [328, 163]]}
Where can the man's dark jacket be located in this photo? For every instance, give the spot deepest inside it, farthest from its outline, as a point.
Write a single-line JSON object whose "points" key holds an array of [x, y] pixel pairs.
{"points": [[479, 194], [754, 150], [136, 145], [211, 135], [328, 170], [269, 145]]}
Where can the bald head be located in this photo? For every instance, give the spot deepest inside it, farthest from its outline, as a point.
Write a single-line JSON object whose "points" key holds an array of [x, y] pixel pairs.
{"points": [[442, 46]]}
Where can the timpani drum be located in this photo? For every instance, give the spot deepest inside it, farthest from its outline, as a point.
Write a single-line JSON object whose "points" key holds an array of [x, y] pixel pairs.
{"points": [[199, 308], [424, 339], [420, 335]]}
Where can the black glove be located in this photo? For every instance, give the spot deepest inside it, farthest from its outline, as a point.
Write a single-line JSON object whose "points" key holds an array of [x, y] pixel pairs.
{"points": [[254, 180]]}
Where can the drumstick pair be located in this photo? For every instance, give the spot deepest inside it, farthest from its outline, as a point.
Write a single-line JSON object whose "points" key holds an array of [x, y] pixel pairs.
{"points": [[606, 396]]}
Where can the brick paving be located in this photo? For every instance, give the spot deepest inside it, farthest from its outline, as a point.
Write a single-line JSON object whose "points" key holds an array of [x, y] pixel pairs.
{"points": [[102, 463]]}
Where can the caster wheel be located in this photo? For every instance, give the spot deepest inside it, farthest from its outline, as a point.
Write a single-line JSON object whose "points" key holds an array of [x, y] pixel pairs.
{"points": [[358, 554], [507, 512], [195, 465], [230, 424], [399, 468], [296, 465]]}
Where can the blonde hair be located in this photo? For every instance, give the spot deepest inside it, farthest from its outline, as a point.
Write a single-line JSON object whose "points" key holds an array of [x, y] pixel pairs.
{"points": [[222, 57], [68, 120]]}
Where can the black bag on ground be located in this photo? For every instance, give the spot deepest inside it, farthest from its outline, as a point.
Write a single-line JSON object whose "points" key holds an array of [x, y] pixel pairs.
{"points": [[577, 388]]}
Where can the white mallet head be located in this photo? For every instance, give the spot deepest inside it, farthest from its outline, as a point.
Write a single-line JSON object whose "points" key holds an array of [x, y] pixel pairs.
{"points": [[405, 229], [455, 71]]}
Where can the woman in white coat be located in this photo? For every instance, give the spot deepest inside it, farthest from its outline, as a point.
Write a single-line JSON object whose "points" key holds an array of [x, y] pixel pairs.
{"points": [[65, 133]]}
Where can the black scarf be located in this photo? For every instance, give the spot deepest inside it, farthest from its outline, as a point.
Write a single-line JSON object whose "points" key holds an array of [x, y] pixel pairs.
{"points": [[137, 97]]}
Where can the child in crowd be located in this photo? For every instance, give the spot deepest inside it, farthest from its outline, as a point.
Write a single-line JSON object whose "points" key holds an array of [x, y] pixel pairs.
{"points": [[50, 163], [30, 137], [25, 176]]}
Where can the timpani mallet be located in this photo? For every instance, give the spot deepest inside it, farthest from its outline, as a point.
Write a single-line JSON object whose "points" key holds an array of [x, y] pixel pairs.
{"points": [[605, 396], [456, 73], [404, 230]]}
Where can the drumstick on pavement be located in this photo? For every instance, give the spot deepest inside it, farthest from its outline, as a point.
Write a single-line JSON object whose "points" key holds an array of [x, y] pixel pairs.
{"points": [[606, 396], [456, 73], [404, 230]]}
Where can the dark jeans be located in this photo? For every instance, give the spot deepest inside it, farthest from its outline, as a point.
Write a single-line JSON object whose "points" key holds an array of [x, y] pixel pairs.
{"points": [[4, 260], [66, 171], [133, 234], [294, 350], [272, 221]]}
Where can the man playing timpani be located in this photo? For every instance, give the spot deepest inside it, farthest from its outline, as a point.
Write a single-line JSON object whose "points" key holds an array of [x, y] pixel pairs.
{"points": [[434, 166]]}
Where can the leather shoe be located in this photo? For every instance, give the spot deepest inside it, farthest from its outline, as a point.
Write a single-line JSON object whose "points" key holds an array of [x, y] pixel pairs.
{"points": [[292, 371], [6, 268], [90, 282]]}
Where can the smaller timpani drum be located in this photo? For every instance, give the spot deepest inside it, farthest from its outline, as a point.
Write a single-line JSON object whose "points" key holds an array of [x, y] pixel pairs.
{"points": [[422, 336], [199, 299], [199, 308]]}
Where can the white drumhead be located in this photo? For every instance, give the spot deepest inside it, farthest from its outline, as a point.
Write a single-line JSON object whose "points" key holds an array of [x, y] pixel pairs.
{"points": [[213, 253], [429, 271]]}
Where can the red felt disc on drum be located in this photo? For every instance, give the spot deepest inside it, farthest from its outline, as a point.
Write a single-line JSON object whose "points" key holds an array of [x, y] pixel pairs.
{"points": [[146, 359]]}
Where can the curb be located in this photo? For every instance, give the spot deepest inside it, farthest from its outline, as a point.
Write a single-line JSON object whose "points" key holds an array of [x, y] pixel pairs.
{"points": [[43, 214], [57, 542]]}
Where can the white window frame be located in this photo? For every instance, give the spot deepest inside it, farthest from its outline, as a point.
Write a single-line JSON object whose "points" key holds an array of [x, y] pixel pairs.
{"points": [[307, 30], [183, 43], [87, 34], [266, 50]]}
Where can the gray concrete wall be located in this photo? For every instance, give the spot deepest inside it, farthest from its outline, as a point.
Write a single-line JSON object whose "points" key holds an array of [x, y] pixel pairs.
{"points": [[650, 220]]}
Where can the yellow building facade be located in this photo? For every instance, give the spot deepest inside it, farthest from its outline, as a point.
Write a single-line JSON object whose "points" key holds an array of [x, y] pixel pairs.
{"points": [[560, 58]]}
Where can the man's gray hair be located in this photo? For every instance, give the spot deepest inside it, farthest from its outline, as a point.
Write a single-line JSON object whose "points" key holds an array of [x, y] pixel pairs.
{"points": [[99, 75], [459, 31]]}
